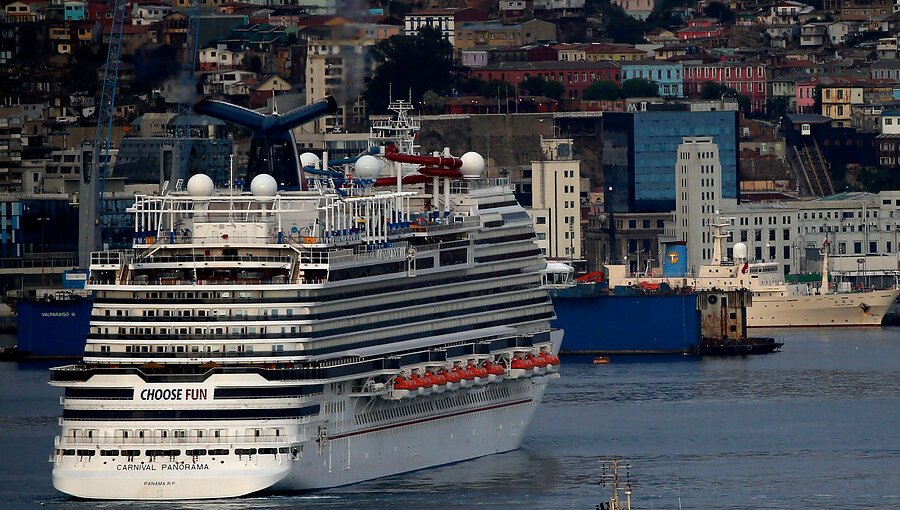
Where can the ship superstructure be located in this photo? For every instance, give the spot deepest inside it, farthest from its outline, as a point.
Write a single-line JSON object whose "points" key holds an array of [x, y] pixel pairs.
{"points": [[775, 303], [292, 340]]}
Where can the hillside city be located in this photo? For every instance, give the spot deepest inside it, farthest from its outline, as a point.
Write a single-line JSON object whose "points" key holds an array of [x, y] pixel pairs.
{"points": [[646, 120]]}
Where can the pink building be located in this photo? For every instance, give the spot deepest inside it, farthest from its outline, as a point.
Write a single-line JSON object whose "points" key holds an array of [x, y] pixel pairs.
{"points": [[701, 28], [806, 95]]}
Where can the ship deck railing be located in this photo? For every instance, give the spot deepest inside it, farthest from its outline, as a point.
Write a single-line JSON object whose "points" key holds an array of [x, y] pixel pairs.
{"points": [[211, 258], [467, 185], [154, 441]]}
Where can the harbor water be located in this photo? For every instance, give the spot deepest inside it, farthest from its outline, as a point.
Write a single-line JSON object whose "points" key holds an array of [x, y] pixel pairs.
{"points": [[814, 426]]}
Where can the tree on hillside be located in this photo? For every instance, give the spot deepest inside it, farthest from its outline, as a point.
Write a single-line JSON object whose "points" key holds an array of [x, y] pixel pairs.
{"points": [[640, 87], [554, 90], [410, 65], [719, 11], [602, 90], [537, 86], [534, 85], [713, 90]]}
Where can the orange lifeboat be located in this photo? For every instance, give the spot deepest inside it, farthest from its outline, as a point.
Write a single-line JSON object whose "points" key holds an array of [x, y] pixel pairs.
{"points": [[537, 361], [451, 376], [553, 359], [522, 363], [464, 375], [494, 368], [402, 383], [478, 371], [436, 379], [422, 382]]}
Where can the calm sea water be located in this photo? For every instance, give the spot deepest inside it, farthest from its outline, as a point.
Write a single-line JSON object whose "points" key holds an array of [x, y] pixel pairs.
{"points": [[815, 426]]}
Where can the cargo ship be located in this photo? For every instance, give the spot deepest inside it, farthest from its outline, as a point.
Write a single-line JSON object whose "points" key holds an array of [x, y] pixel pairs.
{"points": [[775, 303], [51, 323], [652, 318]]}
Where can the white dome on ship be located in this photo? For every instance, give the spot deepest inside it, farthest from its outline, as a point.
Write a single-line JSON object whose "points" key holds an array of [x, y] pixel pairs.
{"points": [[739, 251], [200, 185], [367, 167], [263, 185], [309, 159], [472, 165]]}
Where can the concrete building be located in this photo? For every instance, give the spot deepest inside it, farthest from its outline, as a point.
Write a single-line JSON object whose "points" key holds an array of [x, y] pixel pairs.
{"points": [[555, 200], [330, 66], [444, 19], [699, 199]]}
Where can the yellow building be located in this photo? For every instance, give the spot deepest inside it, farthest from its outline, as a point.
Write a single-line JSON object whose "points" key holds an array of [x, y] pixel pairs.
{"points": [[837, 100], [497, 35]]}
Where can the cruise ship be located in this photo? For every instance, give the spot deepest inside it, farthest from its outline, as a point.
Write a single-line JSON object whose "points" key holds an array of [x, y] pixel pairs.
{"points": [[388, 316], [775, 303]]}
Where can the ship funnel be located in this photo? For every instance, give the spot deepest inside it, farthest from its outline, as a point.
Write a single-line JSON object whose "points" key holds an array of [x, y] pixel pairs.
{"points": [[272, 147]]}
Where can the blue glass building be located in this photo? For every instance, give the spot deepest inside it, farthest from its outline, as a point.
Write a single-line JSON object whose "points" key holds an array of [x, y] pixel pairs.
{"points": [[640, 151]]}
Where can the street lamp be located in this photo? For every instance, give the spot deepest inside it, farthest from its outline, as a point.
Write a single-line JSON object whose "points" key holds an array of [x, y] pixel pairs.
{"points": [[42, 220]]}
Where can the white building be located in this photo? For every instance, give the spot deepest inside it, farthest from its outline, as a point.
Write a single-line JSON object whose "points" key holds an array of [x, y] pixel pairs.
{"points": [[148, 14], [862, 230], [555, 204], [330, 66], [698, 197]]}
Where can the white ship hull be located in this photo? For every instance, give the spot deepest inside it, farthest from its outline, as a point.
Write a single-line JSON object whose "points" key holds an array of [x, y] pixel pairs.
{"points": [[850, 309], [495, 422]]}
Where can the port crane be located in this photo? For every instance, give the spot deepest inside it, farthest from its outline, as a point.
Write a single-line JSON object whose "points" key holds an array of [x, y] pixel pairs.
{"points": [[96, 159]]}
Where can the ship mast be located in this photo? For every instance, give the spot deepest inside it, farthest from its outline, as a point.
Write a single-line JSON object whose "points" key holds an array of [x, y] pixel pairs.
{"points": [[612, 477], [719, 237]]}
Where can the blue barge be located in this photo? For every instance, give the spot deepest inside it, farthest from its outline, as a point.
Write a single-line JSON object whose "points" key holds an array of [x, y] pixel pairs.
{"points": [[598, 320]]}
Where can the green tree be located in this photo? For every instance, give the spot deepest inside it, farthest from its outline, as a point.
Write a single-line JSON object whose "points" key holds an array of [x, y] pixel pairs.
{"points": [[410, 65], [777, 107], [719, 11], [434, 102], [713, 90], [640, 87], [534, 85], [602, 90], [497, 88], [554, 90]]}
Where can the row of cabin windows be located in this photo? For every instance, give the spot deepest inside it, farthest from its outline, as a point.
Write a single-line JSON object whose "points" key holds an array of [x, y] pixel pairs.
{"points": [[194, 348], [296, 451], [176, 433], [274, 312], [234, 330]]}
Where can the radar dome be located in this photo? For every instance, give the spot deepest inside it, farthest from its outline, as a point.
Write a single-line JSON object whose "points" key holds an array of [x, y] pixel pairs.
{"points": [[472, 165], [740, 251], [263, 185], [367, 167], [200, 185], [309, 159]]}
